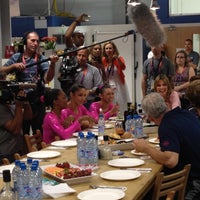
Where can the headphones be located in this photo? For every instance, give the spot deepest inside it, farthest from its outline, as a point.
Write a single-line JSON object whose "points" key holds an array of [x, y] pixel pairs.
{"points": [[24, 39]]}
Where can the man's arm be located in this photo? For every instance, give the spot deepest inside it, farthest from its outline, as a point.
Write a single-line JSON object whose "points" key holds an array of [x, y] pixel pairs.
{"points": [[12, 67], [167, 158], [22, 111], [144, 85], [70, 30], [49, 75], [194, 63], [15, 125]]}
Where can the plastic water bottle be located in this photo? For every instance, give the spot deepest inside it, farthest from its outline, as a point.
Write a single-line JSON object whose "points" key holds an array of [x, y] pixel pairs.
{"points": [[140, 111], [39, 170], [28, 165], [128, 124], [15, 171], [22, 183], [101, 123], [91, 152], [106, 152], [95, 150], [35, 183], [81, 142], [138, 126], [133, 125]]}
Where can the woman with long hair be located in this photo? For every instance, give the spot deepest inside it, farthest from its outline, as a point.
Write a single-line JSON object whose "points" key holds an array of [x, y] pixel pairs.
{"points": [[75, 109], [114, 65], [163, 86], [95, 59], [183, 73]]}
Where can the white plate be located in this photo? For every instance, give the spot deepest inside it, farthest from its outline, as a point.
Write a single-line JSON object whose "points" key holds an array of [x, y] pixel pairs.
{"points": [[4, 167], [138, 153], [65, 143], [116, 119], [43, 154], [148, 124], [107, 126], [154, 140], [120, 175], [125, 162], [99, 194]]}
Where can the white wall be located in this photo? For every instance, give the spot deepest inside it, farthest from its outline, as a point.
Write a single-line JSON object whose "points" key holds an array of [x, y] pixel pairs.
{"points": [[101, 12], [5, 27]]}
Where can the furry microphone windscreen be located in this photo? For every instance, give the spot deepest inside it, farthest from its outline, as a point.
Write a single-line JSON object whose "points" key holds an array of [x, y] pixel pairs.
{"points": [[147, 24]]}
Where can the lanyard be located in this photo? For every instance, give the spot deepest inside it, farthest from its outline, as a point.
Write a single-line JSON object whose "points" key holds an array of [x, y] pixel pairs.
{"points": [[155, 70], [35, 76], [24, 60], [84, 74], [110, 69]]}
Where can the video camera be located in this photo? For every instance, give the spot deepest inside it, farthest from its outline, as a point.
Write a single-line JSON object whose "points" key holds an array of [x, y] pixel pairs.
{"points": [[9, 90], [68, 69]]}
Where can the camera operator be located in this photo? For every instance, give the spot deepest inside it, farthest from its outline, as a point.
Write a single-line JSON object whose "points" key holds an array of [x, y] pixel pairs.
{"points": [[11, 120], [68, 67], [89, 76], [38, 73]]}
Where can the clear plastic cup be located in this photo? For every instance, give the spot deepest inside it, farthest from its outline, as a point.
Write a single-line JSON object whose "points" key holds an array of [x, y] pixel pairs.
{"points": [[86, 18]]}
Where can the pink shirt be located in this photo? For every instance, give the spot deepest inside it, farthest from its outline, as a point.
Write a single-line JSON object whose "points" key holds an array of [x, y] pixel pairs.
{"points": [[52, 126], [94, 109], [174, 100], [82, 110]]}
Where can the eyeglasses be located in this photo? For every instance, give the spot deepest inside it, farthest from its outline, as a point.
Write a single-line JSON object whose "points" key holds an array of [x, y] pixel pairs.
{"points": [[181, 57]]}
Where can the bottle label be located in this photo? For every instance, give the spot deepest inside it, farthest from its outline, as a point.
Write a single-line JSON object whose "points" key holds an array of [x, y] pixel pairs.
{"points": [[101, 129]]}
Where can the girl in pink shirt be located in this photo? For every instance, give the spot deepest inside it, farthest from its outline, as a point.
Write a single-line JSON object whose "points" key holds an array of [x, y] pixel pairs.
{"points": [[75, 109], [106, 94], [52, 124]]}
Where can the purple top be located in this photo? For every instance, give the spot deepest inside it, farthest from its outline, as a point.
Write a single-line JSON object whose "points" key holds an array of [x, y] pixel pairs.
{"points": [[52, 126], [94, 109], [82, 110]]}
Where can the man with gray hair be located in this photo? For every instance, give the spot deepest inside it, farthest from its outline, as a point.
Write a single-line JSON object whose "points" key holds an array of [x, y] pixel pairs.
{"points": [[179, 135]]}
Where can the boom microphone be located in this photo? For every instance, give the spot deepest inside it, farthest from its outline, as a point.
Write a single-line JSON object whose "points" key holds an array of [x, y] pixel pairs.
{"points": [[82, 47], [147, 24]]}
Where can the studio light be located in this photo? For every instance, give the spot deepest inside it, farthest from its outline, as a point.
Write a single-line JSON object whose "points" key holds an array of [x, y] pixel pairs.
{"points": [[154, 5], [133, 2]]}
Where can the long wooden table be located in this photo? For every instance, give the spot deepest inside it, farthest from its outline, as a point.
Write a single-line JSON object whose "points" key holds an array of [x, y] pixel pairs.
{"points": [[136, 189]]}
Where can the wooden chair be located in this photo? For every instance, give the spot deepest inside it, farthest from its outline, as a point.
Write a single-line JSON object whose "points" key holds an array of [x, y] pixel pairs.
{"points": [[17, 156], [57, 138], [5, 161], [34, 142], [168, 185]]}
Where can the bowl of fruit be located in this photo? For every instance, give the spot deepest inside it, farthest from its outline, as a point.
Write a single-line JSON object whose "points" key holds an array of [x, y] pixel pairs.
{"points": [[69, 173]]}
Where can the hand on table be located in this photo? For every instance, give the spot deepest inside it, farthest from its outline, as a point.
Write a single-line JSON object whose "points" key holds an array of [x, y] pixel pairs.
{"points": [[140, 145]]}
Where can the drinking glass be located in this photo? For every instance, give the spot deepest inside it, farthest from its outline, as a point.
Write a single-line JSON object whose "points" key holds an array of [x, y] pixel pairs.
{"points": [[119, 127]]}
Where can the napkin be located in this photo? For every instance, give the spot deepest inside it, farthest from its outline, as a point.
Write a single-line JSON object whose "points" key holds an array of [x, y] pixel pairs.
{"points": [[56, 191]]}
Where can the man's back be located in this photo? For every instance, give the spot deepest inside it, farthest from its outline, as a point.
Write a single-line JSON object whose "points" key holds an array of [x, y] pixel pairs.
{"points": [[179, 132]]}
